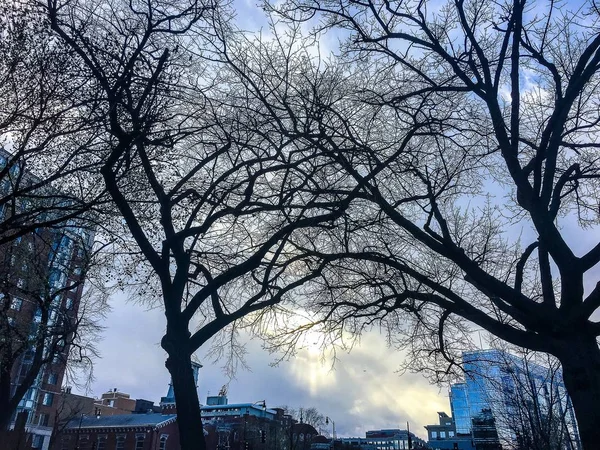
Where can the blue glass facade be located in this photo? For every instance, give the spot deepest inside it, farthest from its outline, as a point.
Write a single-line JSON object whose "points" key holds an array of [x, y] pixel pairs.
{"points": [[460, 408], [492, 378]]}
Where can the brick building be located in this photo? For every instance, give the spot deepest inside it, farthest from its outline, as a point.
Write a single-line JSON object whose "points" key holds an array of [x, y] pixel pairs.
{"points": [[113, 403], [41, 284], [152, 431], [239, 426]]}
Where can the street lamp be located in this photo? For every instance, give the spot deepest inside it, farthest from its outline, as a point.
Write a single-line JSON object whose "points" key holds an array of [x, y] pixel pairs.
{"points": [[327, 419], [262, 403]]}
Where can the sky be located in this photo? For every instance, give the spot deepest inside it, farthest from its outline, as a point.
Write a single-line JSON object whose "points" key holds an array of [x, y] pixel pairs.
{"points": [[362, 392]]}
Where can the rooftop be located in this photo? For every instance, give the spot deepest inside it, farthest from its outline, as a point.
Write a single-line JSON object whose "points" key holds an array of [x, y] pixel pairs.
{"points": [[121, 420]]}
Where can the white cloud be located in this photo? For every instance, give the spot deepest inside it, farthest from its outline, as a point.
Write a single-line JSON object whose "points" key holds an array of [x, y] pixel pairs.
{"points": [[362, 392]]}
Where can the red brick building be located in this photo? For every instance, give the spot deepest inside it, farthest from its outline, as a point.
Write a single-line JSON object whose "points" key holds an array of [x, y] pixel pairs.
{"points": [[41, 284], [152, 431], [113, 403]]}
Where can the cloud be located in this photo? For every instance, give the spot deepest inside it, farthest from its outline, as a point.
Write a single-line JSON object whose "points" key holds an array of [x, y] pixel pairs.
{"points": [[363, 391]]}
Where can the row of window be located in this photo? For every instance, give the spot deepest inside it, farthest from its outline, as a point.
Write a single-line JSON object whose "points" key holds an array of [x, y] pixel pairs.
{"points": [[83, 442], [442, 434], [16, 304]]}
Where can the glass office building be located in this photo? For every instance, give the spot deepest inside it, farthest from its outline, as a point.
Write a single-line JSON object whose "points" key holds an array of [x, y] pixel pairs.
{"points": [[460, 408], [507, 386]]}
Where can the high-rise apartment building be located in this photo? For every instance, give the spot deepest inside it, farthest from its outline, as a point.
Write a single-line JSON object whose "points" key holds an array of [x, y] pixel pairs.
{"points": [[525, 400], [41, 285]]}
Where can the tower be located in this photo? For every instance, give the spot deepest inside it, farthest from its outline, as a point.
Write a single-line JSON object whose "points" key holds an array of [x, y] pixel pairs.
{"points": [[169, 399]]}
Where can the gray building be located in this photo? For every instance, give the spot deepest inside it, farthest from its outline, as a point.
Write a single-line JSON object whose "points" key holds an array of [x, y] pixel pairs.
{"points": [[388, 439], [443, 435]]}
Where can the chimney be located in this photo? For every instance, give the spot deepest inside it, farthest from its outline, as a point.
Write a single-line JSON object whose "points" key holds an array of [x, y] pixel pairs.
{"points": [[168, 408]]}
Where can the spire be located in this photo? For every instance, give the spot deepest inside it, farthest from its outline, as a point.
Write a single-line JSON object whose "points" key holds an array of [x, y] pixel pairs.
{"points": [[169, 399]]}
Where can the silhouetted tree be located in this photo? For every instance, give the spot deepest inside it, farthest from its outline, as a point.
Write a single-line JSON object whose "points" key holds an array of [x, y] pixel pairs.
{"points": [[310, 416], [208, 199], [530, 402], [49, 323], [48, 188], [470, 129], [49, 147]]}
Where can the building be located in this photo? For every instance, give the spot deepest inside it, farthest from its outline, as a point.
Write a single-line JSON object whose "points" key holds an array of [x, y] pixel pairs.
{"points": [[70, 406], [485, 431], [124, 432], [251, 426], [144, 406], [237, 426], [303, 436], [502, 391], [41, 284], [388, 439], [443, 435], [113, 403]]}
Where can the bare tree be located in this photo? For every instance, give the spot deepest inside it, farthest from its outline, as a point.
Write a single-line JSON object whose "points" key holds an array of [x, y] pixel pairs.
{"points": [[49, 148], [49, 323], [470, 130], [70, 407], [310, 416], [529, 401], [49, 143], [209, 199]]}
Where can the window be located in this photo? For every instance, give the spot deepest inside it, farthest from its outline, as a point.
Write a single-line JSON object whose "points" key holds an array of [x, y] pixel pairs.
{"points": [[52, 378], [48, 399], [11, 321], [69, 303], [163, 442], [139, 441], [101, 443], [37, 441], [120, 442], [16, 304], [83, 442], [43, 420], [434, 435], [443, 434], [450, 433], [64, 442]]}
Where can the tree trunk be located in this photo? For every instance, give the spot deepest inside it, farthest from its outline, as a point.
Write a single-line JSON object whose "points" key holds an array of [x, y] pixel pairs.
{"points": [[580, 360], [189, 422], [5, 410]]}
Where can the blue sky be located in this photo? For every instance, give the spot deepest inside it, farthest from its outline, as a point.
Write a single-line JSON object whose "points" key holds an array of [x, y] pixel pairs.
{"points": [[362, 392]]}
